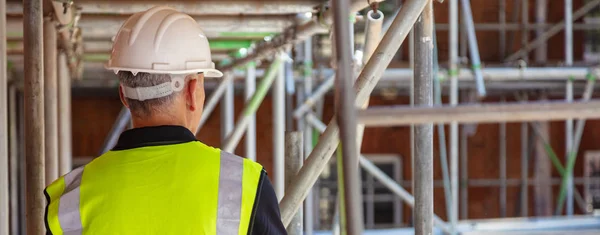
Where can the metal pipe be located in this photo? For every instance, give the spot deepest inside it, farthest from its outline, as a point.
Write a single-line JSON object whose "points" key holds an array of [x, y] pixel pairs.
{"points": [[453, 73], [569, 148], [483, 113], [569, 122], [227, 111], [50, 101], [424, 132], [524, 25], [119, 126], [502, 164], [34, 114], [4, 164], [293, 35], [308, 133], [64, 116], [351, 216], [554, 30], [290, 89], [437, 91], [365, 84], [293, 162], [524, 168], [557, 164], [382, 177], [314, 97], [249, 89], [14, 158], [541, 10], [213, 100], [464, 168], [200, 8], [279, 130], [473, 47], [572, 155], [252, 106], [502, 21], [373, 31]]}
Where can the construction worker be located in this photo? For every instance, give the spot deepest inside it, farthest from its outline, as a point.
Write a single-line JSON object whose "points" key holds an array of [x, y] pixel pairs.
{"points": [[159, 179]]}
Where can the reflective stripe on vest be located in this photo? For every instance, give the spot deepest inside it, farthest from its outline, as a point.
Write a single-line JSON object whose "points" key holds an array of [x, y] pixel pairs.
{"points": [[185, 188]]}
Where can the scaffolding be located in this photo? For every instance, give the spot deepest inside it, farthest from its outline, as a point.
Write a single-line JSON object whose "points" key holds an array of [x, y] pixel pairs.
{"points": [[53, 59]]}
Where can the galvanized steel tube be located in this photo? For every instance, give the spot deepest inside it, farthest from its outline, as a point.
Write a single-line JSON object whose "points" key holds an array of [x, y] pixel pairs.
{"points": [[554, 30], [65, 158], [278, 99], [502, 164], [317, 95], [227, 110], [365, 84], [14, 161], [308, 133], [483, 113], [213, 100], [386, 180], [569, 122], [251, 107], [34, 114], [424, 133], [293, 162], [349, 190], [524, 168], [4, 167], [473, 47], [541, 10], [249, 89], [453, 72], [119, 126], [50, 100]]}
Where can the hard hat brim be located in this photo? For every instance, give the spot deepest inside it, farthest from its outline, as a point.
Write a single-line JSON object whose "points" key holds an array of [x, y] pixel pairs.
{"points": [[211, 73]]}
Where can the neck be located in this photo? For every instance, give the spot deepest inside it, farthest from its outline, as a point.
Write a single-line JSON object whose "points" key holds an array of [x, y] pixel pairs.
{"points": [[159, 120]]}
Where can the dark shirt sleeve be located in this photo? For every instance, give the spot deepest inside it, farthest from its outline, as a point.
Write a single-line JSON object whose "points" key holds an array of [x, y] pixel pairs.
{"points": [[267, 218]]}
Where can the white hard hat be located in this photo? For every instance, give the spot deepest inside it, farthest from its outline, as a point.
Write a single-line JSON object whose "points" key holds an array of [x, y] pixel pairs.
{"points": [[162, 40]]}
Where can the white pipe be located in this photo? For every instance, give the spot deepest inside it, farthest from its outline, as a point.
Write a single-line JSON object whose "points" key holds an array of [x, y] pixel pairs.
{"points": [[212, 101], [250, 87], [308, 85], [64, 116], [473, 47], [453, 102], [227, 111], [279, 131], [50, 101], [569, 122]]}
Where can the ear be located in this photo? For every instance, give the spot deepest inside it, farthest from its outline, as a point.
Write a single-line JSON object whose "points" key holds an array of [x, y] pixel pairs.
{"points": [[123, 100], [190, 94]]}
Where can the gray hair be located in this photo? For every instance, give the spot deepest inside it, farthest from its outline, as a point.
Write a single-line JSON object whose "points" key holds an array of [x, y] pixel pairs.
{"points": [[151, 106]]}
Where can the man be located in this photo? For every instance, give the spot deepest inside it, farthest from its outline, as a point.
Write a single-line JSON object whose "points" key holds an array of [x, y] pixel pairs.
{"points": [[159, 179]]}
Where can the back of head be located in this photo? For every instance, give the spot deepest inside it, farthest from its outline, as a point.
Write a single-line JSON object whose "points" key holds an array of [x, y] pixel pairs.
{"points": [[155, 54]]}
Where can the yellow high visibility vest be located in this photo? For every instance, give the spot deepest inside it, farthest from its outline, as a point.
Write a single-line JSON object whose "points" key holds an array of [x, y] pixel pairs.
{"points": [[186, 188]]}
